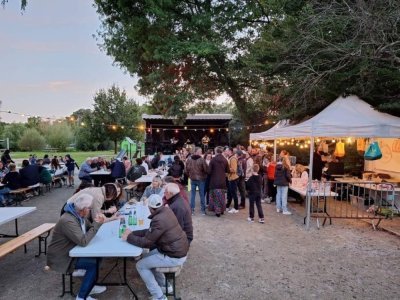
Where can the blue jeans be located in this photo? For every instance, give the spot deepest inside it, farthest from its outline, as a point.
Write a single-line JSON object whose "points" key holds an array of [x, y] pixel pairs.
{"points": [[281, 197], [4, 191], [90, 265], [201, 184], [155, 280]]}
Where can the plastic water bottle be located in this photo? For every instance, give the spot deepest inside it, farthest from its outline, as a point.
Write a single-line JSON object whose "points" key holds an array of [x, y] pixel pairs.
{"points": [[132, 220], [122, 227]]}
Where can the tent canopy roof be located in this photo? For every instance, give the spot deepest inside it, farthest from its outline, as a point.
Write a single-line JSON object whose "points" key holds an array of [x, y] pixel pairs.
{"points": [[349, 116]]}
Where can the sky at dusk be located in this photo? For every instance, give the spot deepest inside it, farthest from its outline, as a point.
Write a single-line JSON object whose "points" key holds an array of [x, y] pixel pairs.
{"points": [[50, 64]]}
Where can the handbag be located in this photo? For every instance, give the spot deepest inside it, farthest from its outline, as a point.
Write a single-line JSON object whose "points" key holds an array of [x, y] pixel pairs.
{"points": [[339, 150], [373, 152]]}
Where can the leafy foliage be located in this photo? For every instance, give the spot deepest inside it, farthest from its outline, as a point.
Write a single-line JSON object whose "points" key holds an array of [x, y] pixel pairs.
{"points": [[114, 116], [59, 136], [13, 132], [31, 140]]}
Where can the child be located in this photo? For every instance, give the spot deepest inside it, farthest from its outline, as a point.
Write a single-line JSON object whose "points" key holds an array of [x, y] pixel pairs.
{"points": [[254, 186]]}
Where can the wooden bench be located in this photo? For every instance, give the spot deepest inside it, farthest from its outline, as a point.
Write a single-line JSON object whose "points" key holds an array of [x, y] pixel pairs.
{"points": [[25, 238], [19, 194], [170, 273]]}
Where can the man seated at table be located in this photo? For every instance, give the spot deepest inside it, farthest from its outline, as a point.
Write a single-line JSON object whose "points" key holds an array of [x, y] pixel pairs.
{"points": [[168, 241], [85, 170], [30, 174], [73, 229], [117, 169], [181, 209]]}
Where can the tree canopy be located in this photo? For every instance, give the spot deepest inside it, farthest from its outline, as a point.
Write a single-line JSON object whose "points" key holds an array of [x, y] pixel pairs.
{"points": [[273, 58], [114, 116]]}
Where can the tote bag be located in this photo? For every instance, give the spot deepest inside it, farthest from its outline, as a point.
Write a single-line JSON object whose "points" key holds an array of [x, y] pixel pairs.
{"points": [[373, 152]]}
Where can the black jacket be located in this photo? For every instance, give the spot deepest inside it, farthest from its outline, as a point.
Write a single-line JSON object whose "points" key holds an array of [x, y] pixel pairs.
{"points": [[183, 214], [282, 175], [30, 175]]}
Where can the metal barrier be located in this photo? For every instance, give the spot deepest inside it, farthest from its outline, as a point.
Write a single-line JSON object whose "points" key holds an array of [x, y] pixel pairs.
{"points": [[352, 200]]}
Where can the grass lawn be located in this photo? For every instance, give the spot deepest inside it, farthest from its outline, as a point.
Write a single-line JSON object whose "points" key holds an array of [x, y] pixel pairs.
{"points": [[79, 156]]}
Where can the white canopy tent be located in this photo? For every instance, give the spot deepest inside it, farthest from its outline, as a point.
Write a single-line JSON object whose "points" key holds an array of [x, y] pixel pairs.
{"points": [[345, 117]]}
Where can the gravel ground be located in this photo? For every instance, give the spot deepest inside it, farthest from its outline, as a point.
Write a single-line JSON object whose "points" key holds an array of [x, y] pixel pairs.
{"points": [[233, 259]]}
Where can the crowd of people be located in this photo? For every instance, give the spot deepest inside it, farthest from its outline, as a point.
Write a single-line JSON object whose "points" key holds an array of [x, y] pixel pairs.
{"points": [[33, 171], [227, 179]]}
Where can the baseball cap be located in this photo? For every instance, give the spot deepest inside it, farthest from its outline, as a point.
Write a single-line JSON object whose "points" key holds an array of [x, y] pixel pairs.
{"points": [[239, 152], [155, 201]]}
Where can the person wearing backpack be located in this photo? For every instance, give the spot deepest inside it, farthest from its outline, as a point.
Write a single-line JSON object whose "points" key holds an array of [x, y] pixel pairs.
{"points": [[136, 171], [282, 180], [271, 177]]}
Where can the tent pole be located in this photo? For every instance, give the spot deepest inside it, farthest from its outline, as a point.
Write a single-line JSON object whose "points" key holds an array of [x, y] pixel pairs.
{"points": [[310, 174], [274, 149]]}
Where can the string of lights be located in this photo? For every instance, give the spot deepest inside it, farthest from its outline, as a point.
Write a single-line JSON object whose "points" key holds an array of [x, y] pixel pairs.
{"points": [[166, 127]]}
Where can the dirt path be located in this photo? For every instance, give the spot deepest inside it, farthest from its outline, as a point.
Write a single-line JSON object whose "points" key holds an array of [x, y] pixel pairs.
{"points": [[233, 259]]}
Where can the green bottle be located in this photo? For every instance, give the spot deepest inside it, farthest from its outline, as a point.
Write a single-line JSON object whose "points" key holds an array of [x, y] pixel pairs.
{"points": [[134, 218], [130, 219], [122, 227]]}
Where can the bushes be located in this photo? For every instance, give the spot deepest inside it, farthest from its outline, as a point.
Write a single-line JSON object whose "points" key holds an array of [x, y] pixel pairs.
{"points": [[31, 140]]}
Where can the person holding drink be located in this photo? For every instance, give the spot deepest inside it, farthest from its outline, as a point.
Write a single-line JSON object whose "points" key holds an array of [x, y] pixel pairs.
{"points": [[168, 241]]}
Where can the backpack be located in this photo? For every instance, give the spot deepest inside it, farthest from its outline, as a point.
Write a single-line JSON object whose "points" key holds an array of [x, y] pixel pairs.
{"points": [[240, 170], [175, 170], [134, 173], [271, 171]]}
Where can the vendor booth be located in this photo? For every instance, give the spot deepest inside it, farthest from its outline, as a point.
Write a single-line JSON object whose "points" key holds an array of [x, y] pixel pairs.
{"points": [[345, 117]]}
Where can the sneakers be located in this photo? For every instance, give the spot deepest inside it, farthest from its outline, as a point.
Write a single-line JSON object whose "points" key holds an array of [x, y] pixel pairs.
{"points": [[98, 289], [161, 298], [170, 289], [87, 298], [203, 212], [288, 213], [192, 212], [79, 273], [261, 221], [233, 211], [268, 200], [278, 210], [250, 220]]}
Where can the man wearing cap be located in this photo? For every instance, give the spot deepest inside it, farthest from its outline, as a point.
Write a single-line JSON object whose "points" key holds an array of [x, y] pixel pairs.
{"points": [[170, 243], [74, 229]]}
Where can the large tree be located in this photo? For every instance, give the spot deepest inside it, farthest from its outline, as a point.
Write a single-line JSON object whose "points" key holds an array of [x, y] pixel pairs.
{"points": [[114, 116], [323, 49], [185, 53]]}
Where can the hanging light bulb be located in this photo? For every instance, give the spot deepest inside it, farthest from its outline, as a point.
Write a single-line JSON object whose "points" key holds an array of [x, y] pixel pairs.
{"points": [[349, 140], [318, 140], [158, 130], [185, 127], [333, 141]]}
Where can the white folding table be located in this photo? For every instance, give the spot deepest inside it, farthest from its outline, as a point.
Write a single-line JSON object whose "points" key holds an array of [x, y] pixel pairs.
{"points": [[13, 213], [107, 243]]}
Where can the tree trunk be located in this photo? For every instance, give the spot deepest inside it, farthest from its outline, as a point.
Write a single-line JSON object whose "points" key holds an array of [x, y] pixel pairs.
{"points": [[115, 146]]}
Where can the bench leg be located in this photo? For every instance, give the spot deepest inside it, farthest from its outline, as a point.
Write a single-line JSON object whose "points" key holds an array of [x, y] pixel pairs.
{"points": [[64, 290], [43, 239], [171, 277]]}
